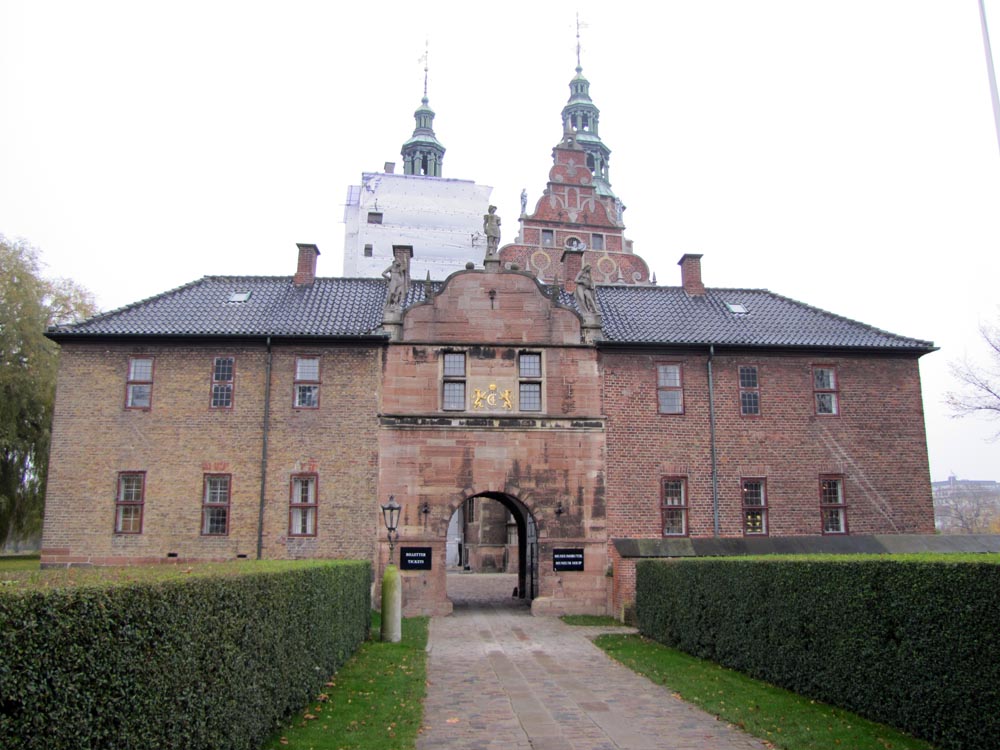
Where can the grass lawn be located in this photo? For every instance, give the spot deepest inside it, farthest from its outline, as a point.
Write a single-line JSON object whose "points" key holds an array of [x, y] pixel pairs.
{"points": [[18, 562], [786, 720], [375, 701]]}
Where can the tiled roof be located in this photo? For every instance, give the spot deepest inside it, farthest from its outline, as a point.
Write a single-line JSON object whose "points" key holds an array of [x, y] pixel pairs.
{"points": [[668, 315], [335, 307], [276, 307]]}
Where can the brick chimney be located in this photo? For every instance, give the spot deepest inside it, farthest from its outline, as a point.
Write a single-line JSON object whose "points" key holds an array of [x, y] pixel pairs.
{"points": [[403, 253], [572, 262], [691, 274], [305, 275]]}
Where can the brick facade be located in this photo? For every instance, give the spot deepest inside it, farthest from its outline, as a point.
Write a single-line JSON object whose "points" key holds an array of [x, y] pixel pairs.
{"points": [[875, 443], [180, 439]]}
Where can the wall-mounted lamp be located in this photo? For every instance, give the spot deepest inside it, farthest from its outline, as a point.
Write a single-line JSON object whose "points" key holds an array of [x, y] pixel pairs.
{"points": [[559, 509], [425, 508]]}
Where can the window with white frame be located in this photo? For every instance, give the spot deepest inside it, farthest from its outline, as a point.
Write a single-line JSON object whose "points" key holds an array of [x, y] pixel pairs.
{"points": [[754, 493], [825, 390], [670, 389], [597, 242], [129, 501], [307, 382], [548, 237], [675, 507], [215, 505], [453, 385], [529, 371], [833, 508], [139, 388], [749, 391], [223, 369], [302, 506]]}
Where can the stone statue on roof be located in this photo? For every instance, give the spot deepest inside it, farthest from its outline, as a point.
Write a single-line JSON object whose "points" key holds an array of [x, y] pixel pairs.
{"points": [[586, 300], [491, 228], [398, 284]]}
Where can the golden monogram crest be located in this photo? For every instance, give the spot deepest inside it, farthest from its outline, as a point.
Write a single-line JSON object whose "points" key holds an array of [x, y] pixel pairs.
{"points": [[492, 398]]}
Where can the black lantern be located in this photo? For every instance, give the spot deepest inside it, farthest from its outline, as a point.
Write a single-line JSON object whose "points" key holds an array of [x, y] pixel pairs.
{"points": [[390, 513]]}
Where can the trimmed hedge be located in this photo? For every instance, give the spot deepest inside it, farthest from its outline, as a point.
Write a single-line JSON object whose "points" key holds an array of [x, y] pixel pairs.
{"points": [[909, 644], [206, 662]]}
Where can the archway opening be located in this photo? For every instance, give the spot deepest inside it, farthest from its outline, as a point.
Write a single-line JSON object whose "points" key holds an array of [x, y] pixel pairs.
{"points": [[491, 553]]}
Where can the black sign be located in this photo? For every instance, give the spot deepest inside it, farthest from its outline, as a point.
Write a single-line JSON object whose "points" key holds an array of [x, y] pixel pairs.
{"points": [[414, 558], [567, 559]]}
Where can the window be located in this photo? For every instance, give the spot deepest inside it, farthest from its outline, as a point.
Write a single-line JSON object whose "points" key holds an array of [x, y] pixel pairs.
{"points": [[825, 390], [374, 217], [215, 505], [749, 391], [670, 392], [470, 510], [674, 506], [597, 242], [222, 383], [548, 237], [307, 383], [454, 381], [139, 389], [529, 367], [832, 507], [302, 506], [368, 251], [129, 502], [754, 506]]}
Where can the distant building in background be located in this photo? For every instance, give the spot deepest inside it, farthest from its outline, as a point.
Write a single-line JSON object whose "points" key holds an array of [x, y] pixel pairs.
{"points": [[966, 506], [440, 218]]}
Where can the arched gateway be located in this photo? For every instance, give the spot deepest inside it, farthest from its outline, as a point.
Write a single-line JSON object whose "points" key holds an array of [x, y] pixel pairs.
{"points": [[495, 533]]}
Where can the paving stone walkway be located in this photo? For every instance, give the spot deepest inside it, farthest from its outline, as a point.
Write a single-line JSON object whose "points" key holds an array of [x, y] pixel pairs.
{"points": [[500, 679]]}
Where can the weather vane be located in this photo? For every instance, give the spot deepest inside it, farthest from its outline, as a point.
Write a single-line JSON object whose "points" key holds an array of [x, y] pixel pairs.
{"points": [[424, 58]]}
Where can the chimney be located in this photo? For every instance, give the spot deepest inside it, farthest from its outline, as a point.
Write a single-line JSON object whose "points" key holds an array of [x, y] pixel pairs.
{"points": [[691, 274], [403, 253], [390, 167], [572, 262], [305, 275]]}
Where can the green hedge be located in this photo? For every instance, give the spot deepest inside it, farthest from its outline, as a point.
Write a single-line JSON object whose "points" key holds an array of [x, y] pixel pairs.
{"points": [[206, 662], [909, 644]]}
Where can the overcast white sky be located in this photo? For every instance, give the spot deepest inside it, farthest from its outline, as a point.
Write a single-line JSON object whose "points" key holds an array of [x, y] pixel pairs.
{"points": [[842, 153]]}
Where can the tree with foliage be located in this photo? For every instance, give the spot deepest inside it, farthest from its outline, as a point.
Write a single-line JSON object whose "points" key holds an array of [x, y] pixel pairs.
{"points": [[979, 392], [29, 304]]}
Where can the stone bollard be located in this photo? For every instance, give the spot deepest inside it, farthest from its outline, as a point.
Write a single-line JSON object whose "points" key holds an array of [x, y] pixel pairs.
{"points": [[392, 605]]}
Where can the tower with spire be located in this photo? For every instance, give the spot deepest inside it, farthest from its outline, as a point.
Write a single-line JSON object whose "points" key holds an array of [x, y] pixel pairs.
{"points": [[578, 220], [423, 153], [581, 117], [433, 221]]}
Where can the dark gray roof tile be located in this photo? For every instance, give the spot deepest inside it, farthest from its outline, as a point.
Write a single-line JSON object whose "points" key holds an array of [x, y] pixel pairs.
{"points": [[337, 307]]}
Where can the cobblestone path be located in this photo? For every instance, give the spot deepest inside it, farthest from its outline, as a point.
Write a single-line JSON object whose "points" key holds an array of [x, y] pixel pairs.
{"points": [[502, 679]]}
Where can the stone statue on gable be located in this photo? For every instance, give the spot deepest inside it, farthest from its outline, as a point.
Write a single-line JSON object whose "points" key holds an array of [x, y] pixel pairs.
{"points": [[491, 228], [398, 285]]}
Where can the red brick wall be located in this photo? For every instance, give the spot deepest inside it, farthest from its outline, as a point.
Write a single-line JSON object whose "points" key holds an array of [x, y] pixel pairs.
{"points": [[876, 442], [180, 439]]}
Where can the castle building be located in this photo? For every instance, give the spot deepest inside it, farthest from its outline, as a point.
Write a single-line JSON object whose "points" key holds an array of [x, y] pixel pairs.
{"points": [[610, 417]]}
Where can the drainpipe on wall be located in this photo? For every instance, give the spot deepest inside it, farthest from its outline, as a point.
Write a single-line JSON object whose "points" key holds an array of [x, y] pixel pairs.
{"points": [[711, 430], [263, 450]]}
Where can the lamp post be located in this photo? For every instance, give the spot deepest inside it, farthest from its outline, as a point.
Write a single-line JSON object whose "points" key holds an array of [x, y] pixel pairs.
{"points": [[390, 514], [392, 591]]}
